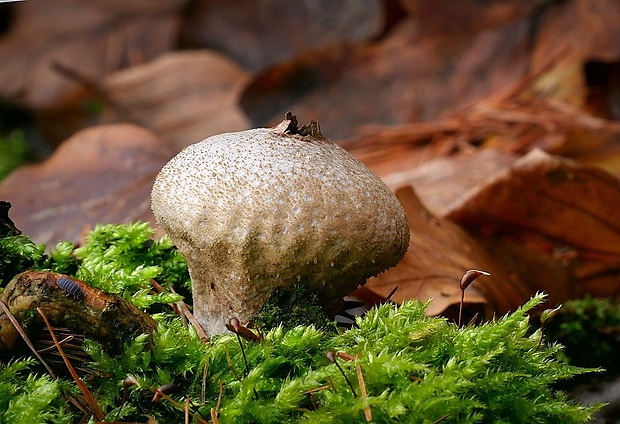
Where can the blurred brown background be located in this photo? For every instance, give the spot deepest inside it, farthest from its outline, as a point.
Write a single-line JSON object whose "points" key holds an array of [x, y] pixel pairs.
{"points": [[496, 120]]}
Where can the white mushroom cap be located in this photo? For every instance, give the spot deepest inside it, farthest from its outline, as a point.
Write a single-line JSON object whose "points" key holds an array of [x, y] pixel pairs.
{"points": [[262, 209]]}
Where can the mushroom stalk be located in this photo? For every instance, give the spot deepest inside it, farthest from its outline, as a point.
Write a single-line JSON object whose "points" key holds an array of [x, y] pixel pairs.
{"points": [[263, 209]]}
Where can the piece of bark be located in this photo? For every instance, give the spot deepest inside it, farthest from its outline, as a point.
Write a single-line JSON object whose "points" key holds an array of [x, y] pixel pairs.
{"points": [[7, 226], [85, 310]]}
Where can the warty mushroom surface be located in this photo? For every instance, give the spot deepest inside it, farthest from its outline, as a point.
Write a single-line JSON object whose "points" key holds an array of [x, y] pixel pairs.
{"points": [[268, 208]]}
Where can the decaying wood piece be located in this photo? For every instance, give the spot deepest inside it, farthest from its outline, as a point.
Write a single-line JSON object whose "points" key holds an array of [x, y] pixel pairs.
{"points": [[72, 304]]}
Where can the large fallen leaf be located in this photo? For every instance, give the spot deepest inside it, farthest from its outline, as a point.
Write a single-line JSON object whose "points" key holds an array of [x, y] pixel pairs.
{"points": [[511, 121], [582, 31], [440, 252], [606, 157], [182, 96], [467, 15], [93, 37], [545, 210], [101, 175], [407, 77], [439, 182], [260, 33]]}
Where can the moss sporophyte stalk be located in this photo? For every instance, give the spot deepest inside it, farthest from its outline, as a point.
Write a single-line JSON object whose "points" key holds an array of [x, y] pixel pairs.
{"points": [[394, 365]]}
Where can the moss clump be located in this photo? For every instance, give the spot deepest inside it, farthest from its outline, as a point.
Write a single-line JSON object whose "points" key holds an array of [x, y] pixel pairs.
{"points": [[589, 328], [18, 254], [123, 259], [13, 152], [28, 398], [293, 307], [120, 259], [414, 368]]}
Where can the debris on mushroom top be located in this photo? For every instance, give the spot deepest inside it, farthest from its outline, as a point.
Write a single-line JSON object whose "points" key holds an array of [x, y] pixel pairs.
{"points": [[262, 209]]}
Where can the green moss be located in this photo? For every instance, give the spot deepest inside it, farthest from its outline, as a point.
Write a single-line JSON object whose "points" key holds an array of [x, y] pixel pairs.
{"points": [[415, 368], [13, 152], [589, 328], [18, 253], [289, 308], [123, 259], [28, 398]]}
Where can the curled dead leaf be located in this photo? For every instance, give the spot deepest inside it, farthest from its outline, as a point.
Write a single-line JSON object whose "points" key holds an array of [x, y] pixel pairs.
{"points": [[550, 217], [258, 34], [439, 254], [185, 110], [100, 175], [96, 38]]}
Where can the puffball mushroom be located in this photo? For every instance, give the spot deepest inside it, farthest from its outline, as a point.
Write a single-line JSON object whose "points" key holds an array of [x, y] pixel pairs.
{"points": [[269, 208]]}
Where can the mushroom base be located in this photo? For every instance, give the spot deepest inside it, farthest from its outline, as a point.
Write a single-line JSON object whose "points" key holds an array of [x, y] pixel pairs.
{"points": [[218, 298]]}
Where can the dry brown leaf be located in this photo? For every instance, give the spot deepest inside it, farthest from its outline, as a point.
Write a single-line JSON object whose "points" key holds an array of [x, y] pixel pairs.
{"points": [[405, 78], [101, 175], [439, 254], [260, 33], [440, 16], [442, 181], [182, 96], [388, 154], [555, 214], [511, 121], [93, 37], [583, 30], [606, 157]]}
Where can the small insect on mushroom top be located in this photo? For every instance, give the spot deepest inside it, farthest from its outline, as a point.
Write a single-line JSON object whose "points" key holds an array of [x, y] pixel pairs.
{"points": [[70, 287]]}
